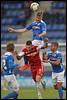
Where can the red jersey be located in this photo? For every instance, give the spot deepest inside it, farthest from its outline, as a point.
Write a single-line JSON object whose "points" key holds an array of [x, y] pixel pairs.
{"points": [[33, 57]]}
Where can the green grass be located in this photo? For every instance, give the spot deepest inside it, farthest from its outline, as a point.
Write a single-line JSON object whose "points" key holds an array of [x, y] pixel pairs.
{"points": [[31, 93]]}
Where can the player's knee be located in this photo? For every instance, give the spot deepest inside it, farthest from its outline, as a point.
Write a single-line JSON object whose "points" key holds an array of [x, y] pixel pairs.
{"points": [[55, 87], [38, 78], [58, 85], [16, 90]]}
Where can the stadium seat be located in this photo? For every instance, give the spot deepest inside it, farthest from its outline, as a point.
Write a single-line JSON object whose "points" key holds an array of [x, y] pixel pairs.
{"points": [[9, 36]]}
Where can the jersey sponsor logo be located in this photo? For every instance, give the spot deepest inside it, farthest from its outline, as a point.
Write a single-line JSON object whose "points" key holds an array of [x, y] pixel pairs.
{"points": [[35, 27], [54, 55]]}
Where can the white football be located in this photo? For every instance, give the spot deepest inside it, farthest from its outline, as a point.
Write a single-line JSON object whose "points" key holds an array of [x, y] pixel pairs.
{"points": [[34, 6]]}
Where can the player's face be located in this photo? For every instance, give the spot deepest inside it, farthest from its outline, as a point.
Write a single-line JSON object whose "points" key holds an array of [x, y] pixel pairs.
{"points": [[38, 18], [29, 47], [53, 47]]}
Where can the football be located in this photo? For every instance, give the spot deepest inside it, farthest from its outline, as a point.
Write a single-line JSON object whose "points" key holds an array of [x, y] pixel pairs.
{"points": [[34, 6]]}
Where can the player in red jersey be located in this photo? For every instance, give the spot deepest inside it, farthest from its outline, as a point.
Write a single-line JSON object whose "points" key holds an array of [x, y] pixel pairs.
{"points": [[34, 62]]}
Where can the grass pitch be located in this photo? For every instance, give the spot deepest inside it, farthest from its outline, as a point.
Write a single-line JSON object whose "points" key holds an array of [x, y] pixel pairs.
{"points": [[31, 93]]}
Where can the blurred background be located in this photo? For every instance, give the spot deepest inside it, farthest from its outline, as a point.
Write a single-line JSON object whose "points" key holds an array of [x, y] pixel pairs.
{"points": [[18, 14]]}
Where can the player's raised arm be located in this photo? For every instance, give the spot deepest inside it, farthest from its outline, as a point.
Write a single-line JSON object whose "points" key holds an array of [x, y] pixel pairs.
{"points": [[17, 30]]}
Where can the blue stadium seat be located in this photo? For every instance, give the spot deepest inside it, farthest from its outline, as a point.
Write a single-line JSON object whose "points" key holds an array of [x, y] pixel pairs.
{"points": [[62, 27], [9, 36], [19, 6], [7, 21], [58, 5], [56, 34], [6, 6]]}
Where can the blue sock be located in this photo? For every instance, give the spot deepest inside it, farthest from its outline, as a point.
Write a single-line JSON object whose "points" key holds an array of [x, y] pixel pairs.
{"points": [[11, 95], [60, 91]]}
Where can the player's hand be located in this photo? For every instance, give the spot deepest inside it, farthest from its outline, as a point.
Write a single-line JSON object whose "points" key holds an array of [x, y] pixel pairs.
{"points": [[11, 29], [46, 61], [2, 69], [15, 53], [46, 40], [37, 34]]}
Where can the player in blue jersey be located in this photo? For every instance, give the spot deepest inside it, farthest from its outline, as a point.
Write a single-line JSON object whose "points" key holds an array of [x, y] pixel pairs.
{"points": [[54, 57], [38, 28], [8, 67]]}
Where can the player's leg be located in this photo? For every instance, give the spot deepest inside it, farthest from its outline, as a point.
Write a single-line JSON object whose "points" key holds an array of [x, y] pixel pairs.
{"points": [[4, 84], [15, 87], [39, 43], [41, 50], [38, 86], [58, 86], [60, 80], [58, 83], [43, 83], [40, 81], [42, 71]]}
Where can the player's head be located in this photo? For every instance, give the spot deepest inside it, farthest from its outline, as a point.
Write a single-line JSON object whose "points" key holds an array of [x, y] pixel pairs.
{"points": [[10, 47], [29, 45], [54, 46], [39, 16]]}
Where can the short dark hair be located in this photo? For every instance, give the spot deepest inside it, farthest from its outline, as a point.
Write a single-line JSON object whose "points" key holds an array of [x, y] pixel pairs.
{"points": [[10, 46], [29, 42], [39, 13], [55, 43]]}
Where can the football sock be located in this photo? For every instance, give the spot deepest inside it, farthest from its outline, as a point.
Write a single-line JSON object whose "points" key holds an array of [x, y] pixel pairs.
{"points": [[60, 93], [39, 87], [43, 83]]}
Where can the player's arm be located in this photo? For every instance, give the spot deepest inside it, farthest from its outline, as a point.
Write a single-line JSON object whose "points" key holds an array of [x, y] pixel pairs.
{"points": [[58, 60], [17, 30], [42, 34], [45, 45], [43, 26], [25, 66], [54, 61], [1, 68], [29, 27], [21, 54], [11, 63]]}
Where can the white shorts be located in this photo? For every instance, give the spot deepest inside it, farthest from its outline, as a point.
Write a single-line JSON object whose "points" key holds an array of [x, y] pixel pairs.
{"points": [[58, 77], [12, 80], [39, 43]]}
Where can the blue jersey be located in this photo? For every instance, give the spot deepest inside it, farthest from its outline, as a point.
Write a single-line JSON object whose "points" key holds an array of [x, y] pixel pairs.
{"points": [[8, 63], [53, 57], [37, 27]]}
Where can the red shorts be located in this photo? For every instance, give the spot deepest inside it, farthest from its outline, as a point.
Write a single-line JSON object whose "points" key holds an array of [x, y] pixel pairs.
{"points": [[37, 71]]}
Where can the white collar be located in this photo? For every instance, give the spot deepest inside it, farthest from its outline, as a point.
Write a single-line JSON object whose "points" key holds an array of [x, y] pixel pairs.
{"points": [[8, 53]]}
